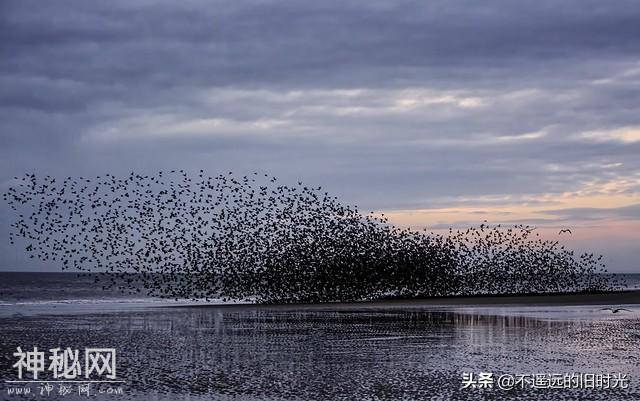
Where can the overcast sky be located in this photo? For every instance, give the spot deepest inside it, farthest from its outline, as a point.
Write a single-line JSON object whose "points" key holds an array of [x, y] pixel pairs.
{"points": [[436, 113]]}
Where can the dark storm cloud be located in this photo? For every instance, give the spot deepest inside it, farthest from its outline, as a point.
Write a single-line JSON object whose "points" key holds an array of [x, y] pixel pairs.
{"points": [[72, 65], [388, 104], [335, 43]]}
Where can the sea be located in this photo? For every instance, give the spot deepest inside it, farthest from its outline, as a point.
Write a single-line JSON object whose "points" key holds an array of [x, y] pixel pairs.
{"points": [[29, 293]]}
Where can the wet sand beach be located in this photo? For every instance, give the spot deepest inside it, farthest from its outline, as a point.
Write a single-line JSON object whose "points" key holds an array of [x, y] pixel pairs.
{"points": [[607, 298], [391, 350]]}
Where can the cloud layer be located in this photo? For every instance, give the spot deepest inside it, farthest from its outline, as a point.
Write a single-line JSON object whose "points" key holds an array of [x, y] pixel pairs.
{"points": [[444, 112]]}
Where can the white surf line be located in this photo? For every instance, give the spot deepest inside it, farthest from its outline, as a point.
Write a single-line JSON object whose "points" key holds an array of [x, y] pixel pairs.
{"points": [[65, 381]]}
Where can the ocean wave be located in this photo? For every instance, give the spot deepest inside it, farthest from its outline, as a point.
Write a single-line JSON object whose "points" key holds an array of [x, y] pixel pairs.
{"points": [[100, 301]]}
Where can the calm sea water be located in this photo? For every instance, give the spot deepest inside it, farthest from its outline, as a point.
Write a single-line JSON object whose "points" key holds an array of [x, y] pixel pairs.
{"points": [[28, 293]]}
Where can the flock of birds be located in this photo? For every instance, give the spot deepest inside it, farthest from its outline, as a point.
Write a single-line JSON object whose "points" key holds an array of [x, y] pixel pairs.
{"points": [[181, 235]]}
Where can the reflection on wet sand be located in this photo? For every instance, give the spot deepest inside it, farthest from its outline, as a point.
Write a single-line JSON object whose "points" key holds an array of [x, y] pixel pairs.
{"points": [[218, 353]]}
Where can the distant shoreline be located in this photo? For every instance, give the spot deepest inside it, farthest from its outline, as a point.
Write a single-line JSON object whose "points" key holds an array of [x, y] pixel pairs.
{"points": [[563, 299], [629, 298]]}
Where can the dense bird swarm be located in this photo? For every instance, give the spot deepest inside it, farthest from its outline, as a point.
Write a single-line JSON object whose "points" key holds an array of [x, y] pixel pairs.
{"points": [[251, 238]]}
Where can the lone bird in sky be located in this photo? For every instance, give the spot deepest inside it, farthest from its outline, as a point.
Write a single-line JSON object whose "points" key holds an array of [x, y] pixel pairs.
{"points": [[564, 230]]}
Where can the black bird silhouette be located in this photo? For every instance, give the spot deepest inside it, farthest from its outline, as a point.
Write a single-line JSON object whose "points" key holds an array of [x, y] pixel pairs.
{"points": [[616, 310], [564, 230]]}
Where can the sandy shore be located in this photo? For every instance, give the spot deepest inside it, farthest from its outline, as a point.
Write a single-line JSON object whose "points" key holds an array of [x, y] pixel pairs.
{"points": [[387, 350], [611, 298]]}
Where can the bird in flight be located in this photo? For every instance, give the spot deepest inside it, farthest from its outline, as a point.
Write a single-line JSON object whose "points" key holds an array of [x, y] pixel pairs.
{"points": [[616, 310], [565, 230]]}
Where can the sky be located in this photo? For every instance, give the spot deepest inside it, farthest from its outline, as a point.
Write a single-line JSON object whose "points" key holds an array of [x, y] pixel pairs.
{"points": [[436, 113]]}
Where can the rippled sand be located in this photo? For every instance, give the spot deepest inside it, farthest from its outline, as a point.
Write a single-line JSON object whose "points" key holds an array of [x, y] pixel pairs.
{"points": [[249, 353]]}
